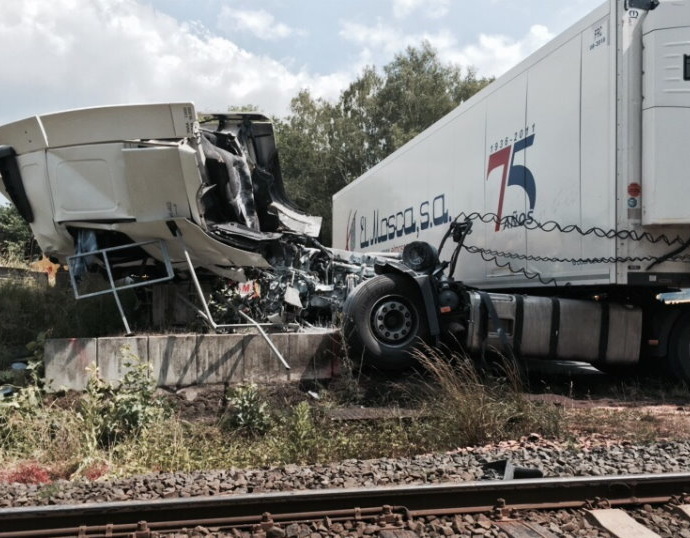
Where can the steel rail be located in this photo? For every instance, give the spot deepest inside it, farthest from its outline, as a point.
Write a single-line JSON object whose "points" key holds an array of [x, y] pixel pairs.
{"points": [[381, 504]]}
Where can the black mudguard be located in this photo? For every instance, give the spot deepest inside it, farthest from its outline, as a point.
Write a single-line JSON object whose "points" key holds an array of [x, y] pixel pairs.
{"points": [[426, 286]]}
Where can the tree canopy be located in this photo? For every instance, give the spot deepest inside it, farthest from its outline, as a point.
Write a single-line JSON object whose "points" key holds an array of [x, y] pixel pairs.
{"points": [[324, 146]]}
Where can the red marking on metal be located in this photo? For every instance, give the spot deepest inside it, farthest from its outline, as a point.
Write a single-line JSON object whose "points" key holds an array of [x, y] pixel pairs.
{"points": [[634, 190], [496, 160]]}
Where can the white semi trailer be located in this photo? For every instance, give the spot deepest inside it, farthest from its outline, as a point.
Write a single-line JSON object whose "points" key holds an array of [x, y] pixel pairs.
{"points": [[573, 171]]}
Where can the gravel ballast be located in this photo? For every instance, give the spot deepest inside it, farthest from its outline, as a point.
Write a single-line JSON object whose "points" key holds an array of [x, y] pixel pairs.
{"points": [[587, 458]]}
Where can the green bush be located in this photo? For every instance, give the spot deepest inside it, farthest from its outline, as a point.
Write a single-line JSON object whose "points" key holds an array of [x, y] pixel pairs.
{"points": [[248, 411], [111, 413]]}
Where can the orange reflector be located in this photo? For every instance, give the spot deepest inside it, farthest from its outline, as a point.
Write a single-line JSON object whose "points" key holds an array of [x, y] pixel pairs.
{"points": [[445, 309]]}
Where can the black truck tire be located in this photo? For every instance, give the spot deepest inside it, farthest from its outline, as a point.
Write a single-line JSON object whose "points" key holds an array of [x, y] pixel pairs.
{"points": [[384, 322], [679, 348]]}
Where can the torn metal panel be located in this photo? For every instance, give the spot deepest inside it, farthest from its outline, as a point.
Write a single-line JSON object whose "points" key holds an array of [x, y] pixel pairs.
{"points": [[296, 221]]}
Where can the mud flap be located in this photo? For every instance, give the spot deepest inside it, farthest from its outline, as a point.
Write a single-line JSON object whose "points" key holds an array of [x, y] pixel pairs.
{"points": [[426, 288]]}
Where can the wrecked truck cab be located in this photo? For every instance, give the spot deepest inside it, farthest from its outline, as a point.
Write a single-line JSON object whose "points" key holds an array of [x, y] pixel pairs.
{"points": [[148, 193], [133, 169]]}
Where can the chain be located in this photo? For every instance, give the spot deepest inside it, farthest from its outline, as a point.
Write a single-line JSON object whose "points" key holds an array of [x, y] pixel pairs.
{"points": [[575, 261], [550, 226]]}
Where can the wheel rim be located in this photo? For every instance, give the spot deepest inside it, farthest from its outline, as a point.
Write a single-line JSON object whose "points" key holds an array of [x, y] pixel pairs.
{"points": [[393, 321]]}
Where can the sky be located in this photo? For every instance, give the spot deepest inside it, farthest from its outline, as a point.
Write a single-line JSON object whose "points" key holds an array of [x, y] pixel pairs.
{"points": [[64, 54]]}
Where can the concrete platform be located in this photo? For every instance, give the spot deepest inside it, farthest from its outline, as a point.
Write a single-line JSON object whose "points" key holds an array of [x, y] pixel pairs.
{"points": [[194, 359]]}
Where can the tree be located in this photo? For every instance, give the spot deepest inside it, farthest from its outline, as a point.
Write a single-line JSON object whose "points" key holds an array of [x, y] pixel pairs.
{"points": [[16, 239], [305, 153], [325, 146], [419, 90]]}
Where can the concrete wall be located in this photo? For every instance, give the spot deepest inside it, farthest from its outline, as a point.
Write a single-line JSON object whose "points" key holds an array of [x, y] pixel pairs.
{"points": [[194, 359]]}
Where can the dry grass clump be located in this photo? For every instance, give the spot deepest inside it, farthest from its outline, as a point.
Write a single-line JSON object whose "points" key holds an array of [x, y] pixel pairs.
{"points": [[471, 406], [14, 260]]}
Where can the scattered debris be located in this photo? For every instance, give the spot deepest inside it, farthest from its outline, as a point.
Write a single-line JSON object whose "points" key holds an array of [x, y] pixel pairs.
{"points": [[505, 470]]}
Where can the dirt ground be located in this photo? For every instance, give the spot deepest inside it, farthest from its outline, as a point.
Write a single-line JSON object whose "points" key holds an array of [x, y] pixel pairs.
{"points": [[635, 410], [622, 420]]}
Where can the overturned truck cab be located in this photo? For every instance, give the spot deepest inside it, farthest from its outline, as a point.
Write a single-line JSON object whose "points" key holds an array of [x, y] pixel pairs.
{"points": [[152, 193]]}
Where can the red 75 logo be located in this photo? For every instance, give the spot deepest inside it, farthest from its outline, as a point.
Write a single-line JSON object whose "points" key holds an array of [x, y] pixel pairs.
{"points": [[516, 174]]}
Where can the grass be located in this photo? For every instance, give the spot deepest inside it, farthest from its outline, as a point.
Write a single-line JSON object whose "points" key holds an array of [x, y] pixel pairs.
{"points": [[651, 389], [469, 407], [119, 431], [638, 425], [14, 261], [27, 310], [94, 434]]}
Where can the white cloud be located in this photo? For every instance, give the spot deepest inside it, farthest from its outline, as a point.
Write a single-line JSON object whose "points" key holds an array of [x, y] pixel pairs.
{"points": [[496, 54], [260, 23], [433, 9], [380, 36], [491, 55], [388, 40], [63, 54]]}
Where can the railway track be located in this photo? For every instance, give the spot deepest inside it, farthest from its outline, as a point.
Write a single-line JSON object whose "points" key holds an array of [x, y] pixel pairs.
{"points": [[385, 508]]}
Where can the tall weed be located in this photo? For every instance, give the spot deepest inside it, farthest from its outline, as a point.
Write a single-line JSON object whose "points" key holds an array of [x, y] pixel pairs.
{"points": [[111, 413], [302, 436], [468, 406]]}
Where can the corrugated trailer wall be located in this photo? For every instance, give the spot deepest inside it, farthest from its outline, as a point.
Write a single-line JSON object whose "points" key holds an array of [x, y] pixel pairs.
{"points": [[540, 145]]}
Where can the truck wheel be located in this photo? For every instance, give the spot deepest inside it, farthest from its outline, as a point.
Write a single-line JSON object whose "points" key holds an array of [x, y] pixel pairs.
{"points": [[679, 348], [383, 322]]}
